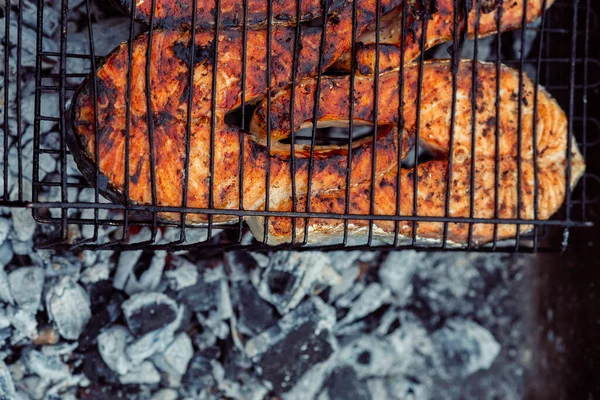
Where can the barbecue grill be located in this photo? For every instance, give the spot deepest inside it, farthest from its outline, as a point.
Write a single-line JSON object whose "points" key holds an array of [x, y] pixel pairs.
{"points": [[74, 213]]}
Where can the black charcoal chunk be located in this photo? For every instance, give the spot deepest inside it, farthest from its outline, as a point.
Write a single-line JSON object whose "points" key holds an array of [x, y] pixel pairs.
{"points": [[463, 347], [139, 271], [291, 276], [300, 340], [96, 369], [69, 307], [146, 312], [254, 314], [101, 319], [370, 356], [343, 383]]}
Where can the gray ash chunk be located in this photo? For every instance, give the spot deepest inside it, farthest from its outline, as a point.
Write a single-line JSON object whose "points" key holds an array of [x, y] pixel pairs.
{"points": [[291, 276], [175, 359], [463, 347], [343, 383], [145, 373], [371, 299], [199, 375], [111, 346], [146, 312], [370, 356], [50, 368], [300, 340], [254, 314], [139, 271], [68, 306], [26, 286], [397, 271], [7, 387]]}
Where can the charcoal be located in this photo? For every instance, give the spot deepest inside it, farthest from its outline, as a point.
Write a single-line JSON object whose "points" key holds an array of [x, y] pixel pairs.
{"points": [[413, 342], [175, 359], [199, 375], [372, 298], [7, 387], [100, 320], [343, 384], [184, 275], [155, 341], [369, 356], [203, 296], [240, 263], [5, 226], [50, 368], [68, 306], [291, 276], [22, 248], [254, 314], [23, 224], [24, 322], [147, 312], [95, 368], [397, 271], [95, 273], [146, 373], [63, 266], [165, 394], [111, 346], [5, 294], [349, 277], [442, 287], [463, 347], [301, 339], [411, 387], [62, 349], [245, 386], [311, 382], [26, 286], [6, 253], [139, 272]]}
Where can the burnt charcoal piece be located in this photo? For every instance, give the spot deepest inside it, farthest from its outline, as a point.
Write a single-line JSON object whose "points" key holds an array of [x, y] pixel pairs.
{"points": [[285, 362], [255, 314], [147, 312], [291, 276], [300, 340], [202, 296], [344, 384], [199, 374], [96, 369], [101, 320]]}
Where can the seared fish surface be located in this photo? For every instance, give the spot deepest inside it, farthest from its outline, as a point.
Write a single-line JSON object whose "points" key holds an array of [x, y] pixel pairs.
{"points": [[496, 165]]}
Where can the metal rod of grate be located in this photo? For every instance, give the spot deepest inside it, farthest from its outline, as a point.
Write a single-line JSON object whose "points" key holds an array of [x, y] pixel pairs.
{"points": [[554, 51]]}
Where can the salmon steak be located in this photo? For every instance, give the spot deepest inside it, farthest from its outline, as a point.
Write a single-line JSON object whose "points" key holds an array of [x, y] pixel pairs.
{"points": [[154, 130]]}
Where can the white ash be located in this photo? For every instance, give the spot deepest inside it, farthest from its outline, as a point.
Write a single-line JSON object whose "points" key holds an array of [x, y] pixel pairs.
{"points": [[145, 373], [372, 298], [68, 306], [176, 357], [7, 387], [463, 347], [127, 279], [291, 276], [26, 285], [112, 344], [50, 368]]}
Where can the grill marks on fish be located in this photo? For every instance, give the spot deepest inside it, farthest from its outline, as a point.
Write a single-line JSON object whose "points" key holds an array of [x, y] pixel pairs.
{"points": [[440, 26], [434, 135], [169, 91]]}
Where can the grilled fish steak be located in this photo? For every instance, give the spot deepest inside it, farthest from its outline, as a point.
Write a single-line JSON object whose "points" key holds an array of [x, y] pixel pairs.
{"points": [[495, 135], [440, 28], [142, 174]]}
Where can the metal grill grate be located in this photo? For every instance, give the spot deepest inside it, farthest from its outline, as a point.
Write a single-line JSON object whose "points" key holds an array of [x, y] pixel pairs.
{"points": [[559, 60]]}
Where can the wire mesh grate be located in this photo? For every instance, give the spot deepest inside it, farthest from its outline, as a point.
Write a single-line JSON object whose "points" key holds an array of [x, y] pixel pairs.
{"points": [[554, 52]]}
